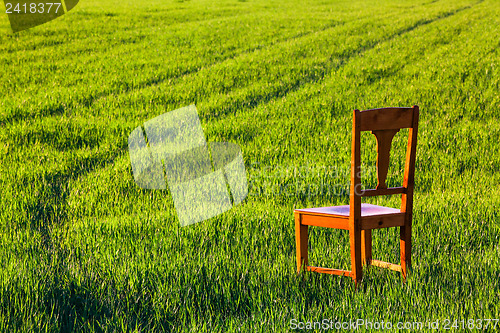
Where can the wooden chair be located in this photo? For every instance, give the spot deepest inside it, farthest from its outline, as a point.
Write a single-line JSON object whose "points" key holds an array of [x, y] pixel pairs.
{"points": [[360, 218]]}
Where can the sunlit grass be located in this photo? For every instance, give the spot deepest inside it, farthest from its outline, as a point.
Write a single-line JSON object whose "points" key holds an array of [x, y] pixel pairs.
{"points": [[83, 248]]}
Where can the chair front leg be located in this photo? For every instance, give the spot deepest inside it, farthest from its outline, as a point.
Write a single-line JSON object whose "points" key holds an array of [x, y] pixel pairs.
{"points": [[301, 240], [356, 263], [405, 249], [366, 246]]}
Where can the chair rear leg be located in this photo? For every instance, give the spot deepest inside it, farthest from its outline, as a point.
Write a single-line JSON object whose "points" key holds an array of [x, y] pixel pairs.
{"points": [[366, 246], [301, 240], [405, 249], [356, 264]]}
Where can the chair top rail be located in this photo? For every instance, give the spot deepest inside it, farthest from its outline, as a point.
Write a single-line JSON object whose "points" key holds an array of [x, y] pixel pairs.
{"points": [[385, 119]]}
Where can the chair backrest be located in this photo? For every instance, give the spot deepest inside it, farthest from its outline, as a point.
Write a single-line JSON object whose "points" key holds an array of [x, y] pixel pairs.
{"points": [[384, 124]]}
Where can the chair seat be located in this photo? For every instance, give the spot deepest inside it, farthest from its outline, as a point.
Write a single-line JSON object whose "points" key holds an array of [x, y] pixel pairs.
{"points": [[366, 210]]}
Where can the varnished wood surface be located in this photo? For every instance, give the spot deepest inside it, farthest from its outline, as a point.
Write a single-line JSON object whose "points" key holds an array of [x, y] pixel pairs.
{"points": [[407, 198], [301, 240], [386, 119], [383, 221], [355, 200], [383, 264], [344, 211], [386, 191], [384, 141], [336, 222], [329, 271]]}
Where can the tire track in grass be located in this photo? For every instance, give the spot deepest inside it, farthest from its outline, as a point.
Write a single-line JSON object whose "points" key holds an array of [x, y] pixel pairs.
{"points": [[60, 107], [266, 97], [247, 104], [250, 131], [41, 202], [58, 291], [225, 13], [88, 102], [365, 49], [43, 194], [173, 100], [52, 43], [399, 47], [51, 205]]}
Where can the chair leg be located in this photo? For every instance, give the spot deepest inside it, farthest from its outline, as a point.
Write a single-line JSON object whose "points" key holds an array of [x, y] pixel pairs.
{"points": [[355, 240], [366, 246], [301, 240], [405, 249]]}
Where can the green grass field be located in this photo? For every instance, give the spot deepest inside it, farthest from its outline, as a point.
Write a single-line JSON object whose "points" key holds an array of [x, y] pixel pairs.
{"points": [[82, 248]]}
